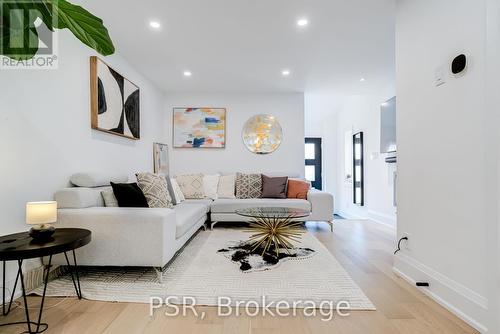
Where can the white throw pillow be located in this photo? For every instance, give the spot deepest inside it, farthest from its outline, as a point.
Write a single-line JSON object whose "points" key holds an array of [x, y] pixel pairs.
{"points": [[210, 184], [226, 186], [179, 196]]}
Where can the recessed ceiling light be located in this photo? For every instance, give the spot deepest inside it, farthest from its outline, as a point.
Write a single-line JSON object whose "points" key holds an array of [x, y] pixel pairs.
{"points": [[155, 24], [362, 80], [187, 73], [302, 22], [285, 73]]}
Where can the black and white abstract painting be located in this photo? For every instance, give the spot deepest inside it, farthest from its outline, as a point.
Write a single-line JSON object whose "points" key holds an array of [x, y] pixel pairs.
{"points": [[115, 101]]}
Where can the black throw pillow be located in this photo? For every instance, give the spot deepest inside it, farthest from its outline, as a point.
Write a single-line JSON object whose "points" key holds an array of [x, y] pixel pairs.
{"points": [[129, 195]]}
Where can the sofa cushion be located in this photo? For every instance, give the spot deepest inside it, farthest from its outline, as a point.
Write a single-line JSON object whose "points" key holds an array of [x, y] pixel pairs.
{"points": [[187, 215], [170, 188], [297, 189], [274, 187], [129, 195], [191, 185], [210, 184], [226, 186], [109, 198], [80, 198], [155, 189], [231, 205], [205, 202], [179, 196], [93, 180], [248, 185]]}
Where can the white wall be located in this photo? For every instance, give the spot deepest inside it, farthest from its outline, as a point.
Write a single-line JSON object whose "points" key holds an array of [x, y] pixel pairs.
{"points": [[287, 108], [320, 122], [492, 119], [45, 133], [362, 113], [329, 117], [446, 201]]}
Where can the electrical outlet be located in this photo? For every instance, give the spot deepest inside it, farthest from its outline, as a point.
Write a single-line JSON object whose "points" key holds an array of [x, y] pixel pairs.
{"points": [[406, 243]]}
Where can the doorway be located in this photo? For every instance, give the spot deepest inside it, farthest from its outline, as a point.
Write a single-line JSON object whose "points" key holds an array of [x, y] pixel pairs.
{"points": [[313, 170]]}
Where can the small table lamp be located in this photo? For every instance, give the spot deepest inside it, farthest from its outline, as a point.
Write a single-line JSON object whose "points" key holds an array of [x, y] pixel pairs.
{"points": [[41, 215]]}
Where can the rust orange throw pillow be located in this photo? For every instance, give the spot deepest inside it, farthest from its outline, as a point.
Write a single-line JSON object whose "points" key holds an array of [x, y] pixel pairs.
{"points": [[297, 189]]}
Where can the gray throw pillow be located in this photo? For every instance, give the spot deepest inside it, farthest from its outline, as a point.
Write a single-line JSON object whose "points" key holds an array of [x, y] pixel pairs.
{"points": [[274, 187], [248, 185], [170, 189]]}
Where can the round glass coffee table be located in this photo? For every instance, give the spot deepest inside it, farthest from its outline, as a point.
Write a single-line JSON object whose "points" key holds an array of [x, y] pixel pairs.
{"points": [[274, 228]]}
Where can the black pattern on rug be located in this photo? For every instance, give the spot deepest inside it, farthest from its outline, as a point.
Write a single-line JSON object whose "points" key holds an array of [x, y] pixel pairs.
{"points": [[251, 259]]}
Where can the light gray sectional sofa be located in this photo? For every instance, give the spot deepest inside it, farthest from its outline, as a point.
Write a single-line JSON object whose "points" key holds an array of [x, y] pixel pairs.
{"points": [[319, 203], [150, 237]]}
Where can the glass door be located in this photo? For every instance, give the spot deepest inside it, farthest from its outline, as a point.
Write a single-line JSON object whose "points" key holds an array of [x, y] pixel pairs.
{"points": [[313, 170], [358, 172]]}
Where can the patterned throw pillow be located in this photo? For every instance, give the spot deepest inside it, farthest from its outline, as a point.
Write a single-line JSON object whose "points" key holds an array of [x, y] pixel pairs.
{"points": [[248, 185], [191, 185], [155, 189]]}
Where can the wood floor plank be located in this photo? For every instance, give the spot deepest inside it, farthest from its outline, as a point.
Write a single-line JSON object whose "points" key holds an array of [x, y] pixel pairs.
{"points": [[364, 249]]}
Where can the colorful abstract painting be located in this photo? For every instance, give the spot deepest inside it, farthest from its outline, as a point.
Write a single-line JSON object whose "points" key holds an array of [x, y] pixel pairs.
{"points": [[199, 127]]}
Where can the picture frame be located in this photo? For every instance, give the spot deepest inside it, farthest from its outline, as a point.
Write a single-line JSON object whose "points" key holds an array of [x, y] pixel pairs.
{"points": [[114, 101], [199, 127], [161, 164]]}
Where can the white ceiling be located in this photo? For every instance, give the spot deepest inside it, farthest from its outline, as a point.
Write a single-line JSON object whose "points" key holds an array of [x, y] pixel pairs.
{"points": [[243, 45]]}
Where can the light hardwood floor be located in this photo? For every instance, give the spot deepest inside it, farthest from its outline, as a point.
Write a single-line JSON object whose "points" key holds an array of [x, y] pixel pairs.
{"points": [[365, 250]]}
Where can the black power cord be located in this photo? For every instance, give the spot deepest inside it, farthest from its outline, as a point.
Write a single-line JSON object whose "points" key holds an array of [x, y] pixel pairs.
{"points": [[399, 244]]}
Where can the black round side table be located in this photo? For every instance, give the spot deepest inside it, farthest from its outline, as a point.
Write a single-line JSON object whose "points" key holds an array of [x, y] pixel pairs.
{"points": [[20, 246]]}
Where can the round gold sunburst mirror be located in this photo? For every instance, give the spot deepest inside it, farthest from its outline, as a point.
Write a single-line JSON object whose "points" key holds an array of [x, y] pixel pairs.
{"points": [[262, 134]]}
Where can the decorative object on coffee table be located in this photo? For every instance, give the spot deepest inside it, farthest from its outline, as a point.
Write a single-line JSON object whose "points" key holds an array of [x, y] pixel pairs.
{"points": [[274, 228], [41, 215], [20, 246], [262, 134]]}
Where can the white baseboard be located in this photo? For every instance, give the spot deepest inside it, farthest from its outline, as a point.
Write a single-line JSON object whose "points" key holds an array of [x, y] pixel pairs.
{"points": [[377, 217], [348, 215], [383, 218], [466, 304]]}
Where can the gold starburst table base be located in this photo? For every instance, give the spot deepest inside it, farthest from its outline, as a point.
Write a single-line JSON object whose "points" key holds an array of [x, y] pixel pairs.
{"points": [[274, 228]]}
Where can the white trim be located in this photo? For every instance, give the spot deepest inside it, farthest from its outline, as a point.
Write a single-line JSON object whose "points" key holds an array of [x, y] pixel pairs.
{"points": [[466, 304], [348, 215], [383, 218]]}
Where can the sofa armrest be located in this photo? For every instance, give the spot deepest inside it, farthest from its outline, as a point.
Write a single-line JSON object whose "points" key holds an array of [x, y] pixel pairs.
{"points": [[125, 235], [321, 205]]}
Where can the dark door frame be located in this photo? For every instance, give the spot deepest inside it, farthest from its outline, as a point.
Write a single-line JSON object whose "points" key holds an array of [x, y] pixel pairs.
{"points": [[358, 179], [316, 162]]}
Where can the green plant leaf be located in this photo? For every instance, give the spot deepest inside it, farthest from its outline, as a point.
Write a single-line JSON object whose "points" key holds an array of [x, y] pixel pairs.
{"points": [[15, 40], [86, 27], [60, 14]]}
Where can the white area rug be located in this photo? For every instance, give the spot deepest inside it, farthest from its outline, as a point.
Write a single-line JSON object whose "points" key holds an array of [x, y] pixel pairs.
{"points": [[199, 271]]}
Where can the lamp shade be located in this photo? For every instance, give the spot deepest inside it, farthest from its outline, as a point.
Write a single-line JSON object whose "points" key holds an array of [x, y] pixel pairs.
{"points": [[38, 213]]}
